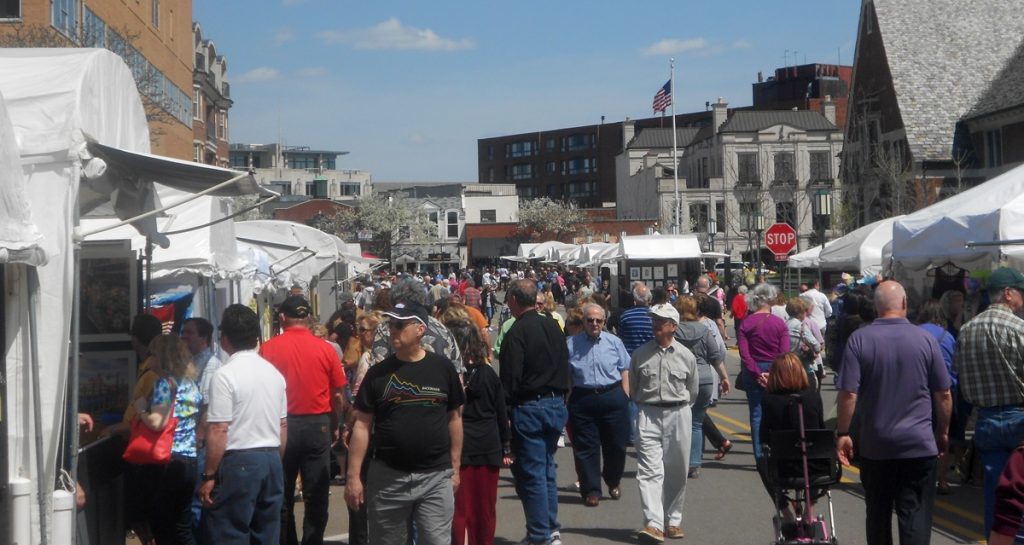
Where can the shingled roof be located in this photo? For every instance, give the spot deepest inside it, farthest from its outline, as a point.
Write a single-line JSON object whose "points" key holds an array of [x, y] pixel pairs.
{"points": [[657, 138], [756, 120], [943, 56]]}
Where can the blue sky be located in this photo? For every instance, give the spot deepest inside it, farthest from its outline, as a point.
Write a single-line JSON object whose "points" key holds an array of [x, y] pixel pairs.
{"points": [[408, 87]]}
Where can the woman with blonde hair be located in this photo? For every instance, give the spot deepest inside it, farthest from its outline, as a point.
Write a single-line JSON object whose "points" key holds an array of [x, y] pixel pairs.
{"points": [[175, 394], [549, 308]]}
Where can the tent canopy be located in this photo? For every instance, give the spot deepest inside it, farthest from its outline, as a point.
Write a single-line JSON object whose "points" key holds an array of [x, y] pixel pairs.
{"points": [[19, 237], [660, 247], [990, 212], [859, 250], [298, 253]]}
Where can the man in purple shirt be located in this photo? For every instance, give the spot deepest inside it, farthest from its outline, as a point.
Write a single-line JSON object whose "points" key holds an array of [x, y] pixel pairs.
{"points": [[894, 375]]}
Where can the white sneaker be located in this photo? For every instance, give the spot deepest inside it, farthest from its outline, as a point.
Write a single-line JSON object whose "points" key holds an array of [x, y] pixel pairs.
{"points": [[561, 441], [556, 538], [526, 541]]}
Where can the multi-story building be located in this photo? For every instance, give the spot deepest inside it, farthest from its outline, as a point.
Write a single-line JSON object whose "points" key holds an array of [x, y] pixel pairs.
{"points": [[934, 108], [211, 99], [746, 165], [300, 170], [805, 87], [154, 37], [575, 164]]}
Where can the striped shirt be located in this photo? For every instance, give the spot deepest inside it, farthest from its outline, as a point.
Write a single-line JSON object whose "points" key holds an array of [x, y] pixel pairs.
{"points": [[989, 359], [635, 328]]}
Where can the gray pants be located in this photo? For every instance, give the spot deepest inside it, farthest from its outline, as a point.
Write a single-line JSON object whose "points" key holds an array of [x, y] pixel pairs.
{"points": [[393, 497]]}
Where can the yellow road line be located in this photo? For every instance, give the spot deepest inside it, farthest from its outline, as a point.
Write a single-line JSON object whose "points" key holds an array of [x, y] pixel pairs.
{"points": [[973, 517], [719, 416], [960, 530]]}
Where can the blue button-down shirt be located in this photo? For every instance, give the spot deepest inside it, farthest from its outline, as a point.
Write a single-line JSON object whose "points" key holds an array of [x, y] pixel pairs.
{"points": [[597, 362]]}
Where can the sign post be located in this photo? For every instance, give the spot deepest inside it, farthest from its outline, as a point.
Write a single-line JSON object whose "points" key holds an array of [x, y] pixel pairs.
{"points": [[780, 238]]}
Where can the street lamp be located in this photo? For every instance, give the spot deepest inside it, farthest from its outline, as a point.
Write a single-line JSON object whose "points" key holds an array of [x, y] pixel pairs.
{"points": [[821, 206], [758, 222], [712, 231]]}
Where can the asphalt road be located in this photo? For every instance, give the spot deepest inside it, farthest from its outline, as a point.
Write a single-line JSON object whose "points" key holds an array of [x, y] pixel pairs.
{"points": [[726, 505]]}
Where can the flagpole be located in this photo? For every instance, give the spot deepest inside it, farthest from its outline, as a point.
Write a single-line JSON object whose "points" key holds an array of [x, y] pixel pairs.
{"points": [[675, 158]]}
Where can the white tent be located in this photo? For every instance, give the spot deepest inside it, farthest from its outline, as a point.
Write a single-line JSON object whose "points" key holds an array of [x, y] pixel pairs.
{"points": [[859, 250], [989, 213], [598, 253], [808, 258], [684, 246], [20, 241], [298, 253]]}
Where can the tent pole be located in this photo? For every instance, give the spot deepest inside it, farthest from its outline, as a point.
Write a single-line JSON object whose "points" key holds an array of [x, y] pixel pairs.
{"points": [[33, 290]]}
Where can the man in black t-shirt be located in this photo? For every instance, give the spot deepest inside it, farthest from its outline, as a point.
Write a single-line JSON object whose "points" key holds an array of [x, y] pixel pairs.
{"points": [[412, 401]]}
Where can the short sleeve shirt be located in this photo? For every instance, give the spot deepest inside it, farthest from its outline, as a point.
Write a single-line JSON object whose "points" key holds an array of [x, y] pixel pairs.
{"points": [[186, 409], [410, 402], [249, 393], [311, 368]]}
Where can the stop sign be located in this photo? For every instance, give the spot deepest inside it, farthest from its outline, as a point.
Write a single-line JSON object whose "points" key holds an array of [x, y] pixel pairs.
{"points": [[780, 238]]}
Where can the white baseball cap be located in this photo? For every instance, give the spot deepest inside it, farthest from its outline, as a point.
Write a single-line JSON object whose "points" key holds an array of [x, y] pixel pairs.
{"points": [[665, 311]]}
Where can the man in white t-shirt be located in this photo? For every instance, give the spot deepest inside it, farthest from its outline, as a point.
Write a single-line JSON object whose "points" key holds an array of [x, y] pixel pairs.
{"points": [[821, 307], [242, 488]]}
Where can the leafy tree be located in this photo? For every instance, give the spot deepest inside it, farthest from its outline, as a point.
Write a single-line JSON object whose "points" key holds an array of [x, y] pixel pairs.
{"points": [[546, 219], [390, 219]]}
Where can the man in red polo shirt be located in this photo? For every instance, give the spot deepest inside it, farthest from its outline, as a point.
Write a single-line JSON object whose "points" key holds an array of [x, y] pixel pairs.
{"points": [[314, 380]]}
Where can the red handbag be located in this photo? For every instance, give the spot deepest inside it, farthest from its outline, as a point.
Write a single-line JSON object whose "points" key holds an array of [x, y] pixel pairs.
{"points": [[148, 446]]}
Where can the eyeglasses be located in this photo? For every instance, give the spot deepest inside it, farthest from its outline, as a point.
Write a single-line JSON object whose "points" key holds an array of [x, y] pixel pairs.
{"points": [[540, 303], [400, 324], [595, 320]]}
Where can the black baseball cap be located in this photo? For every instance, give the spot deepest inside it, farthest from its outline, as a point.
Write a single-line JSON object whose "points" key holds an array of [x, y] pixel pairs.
{"points": [[409, 311], [295, 306]]}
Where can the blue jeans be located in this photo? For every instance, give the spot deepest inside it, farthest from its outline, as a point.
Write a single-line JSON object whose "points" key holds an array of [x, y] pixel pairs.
{"points": [[699, 409], [536, 427], [755, 393], [247, 499], [997, 432]]}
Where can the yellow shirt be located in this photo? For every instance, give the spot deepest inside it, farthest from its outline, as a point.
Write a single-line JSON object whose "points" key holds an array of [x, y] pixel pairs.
{"points": [[143, 388]]}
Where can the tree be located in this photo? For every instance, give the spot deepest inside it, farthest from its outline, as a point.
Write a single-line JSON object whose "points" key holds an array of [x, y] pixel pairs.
{"points": [[390, 219], [547, 219]]}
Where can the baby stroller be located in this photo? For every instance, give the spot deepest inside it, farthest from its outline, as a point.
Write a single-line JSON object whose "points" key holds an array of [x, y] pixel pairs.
{"points": [[800, 466]]}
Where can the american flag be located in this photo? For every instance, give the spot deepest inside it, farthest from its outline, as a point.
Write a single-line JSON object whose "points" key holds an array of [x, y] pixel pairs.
{"points": [[663, 99]]}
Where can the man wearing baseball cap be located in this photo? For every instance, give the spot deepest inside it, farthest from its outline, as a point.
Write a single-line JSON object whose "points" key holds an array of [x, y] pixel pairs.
{"points": [[412, 401], [989, 364], [663, 381], [314, 380]]}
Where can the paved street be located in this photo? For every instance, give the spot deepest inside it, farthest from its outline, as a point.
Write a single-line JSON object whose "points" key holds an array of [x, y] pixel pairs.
{"points": [[725, 505]]}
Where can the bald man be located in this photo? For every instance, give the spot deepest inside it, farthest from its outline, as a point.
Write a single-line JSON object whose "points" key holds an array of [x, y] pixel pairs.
{"points": [[894, 375]]}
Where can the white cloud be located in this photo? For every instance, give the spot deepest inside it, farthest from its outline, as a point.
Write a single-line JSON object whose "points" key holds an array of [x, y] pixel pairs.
{"points": [[417, 139], [742, 44], [263, 73], [673, 46], [392, 34], [312, 72], [283, 35]]}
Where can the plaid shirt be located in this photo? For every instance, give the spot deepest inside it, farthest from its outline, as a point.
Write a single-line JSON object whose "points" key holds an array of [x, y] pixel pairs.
{"points": [[989, 358]]}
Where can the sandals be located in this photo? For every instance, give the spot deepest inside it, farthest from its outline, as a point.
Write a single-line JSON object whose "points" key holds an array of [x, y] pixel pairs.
{"points": [[723, 450]]}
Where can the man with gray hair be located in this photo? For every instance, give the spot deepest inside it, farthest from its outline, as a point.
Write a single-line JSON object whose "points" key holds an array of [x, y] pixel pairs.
{"points": [[598, 405], [703, 287], [437, 338], [635, 323]]}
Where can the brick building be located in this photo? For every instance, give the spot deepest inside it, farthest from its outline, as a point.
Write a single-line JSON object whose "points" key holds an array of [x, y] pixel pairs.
{"points": [[805, 87], [211, 99], [154, 37]]}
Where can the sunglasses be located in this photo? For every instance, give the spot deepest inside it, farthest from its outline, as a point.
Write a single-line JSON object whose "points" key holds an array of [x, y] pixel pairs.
{"points": [[400, 324], [595, 320]]}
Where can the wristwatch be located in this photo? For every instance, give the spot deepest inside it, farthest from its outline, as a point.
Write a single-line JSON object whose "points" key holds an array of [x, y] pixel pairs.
{"points": [[842, 434], [207, 477]]}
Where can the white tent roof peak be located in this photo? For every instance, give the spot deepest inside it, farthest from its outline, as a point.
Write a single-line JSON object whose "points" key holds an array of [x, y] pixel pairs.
{"points": [[685, 246]]}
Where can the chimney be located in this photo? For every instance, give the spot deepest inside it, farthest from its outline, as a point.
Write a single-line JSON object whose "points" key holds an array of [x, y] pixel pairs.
{"points": [[828, 109], [719, 113], [628, 131], [760, 77]]}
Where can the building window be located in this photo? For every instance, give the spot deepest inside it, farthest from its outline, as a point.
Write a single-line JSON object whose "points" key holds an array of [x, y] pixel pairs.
{"points": [[746, 168], [488, 216], [197, 152], [577, 142], [549, 144], [784, 167], [94, 30], [156, 13], [299, 161], [993, 148], [222, 125], [720, 217], [699, 217], [785, 212], [582, 190], [10, 9], [490, 174], [317, 189], [453, 224], [522, 171], [197, 101], [349, 189], [64, 17], [490, 152], [555, 191], [433, 218], [552, 167], [748, 211], [522, 149], [581, 166], [526, 191], [821, 166]]}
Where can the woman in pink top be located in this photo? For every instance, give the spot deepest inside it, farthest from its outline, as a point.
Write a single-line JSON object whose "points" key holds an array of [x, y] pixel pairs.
{"points": [[762, 337]]}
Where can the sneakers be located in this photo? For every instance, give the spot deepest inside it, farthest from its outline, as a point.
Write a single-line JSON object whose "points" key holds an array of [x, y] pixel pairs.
{"points": [[650, 534], [556, 538], [674, 532], [526, 541]]}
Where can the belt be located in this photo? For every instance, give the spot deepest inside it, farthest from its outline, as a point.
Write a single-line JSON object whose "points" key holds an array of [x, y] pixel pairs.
{"points": [[599, 389], [523, 398], [255, 449], [668, 404]]}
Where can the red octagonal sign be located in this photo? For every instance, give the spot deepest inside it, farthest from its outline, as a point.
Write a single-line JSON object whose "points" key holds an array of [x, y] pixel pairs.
{"points": [[780, 238]]}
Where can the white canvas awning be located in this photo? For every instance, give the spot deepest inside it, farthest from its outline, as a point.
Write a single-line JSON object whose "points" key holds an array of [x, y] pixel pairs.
{"points": [[299, 253], [859, 250], [661, 247], [19, 236], [991, 212]]}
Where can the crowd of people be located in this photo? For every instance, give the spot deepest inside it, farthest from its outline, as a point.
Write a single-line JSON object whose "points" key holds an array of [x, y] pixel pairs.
{"points": [[396, 395]]}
